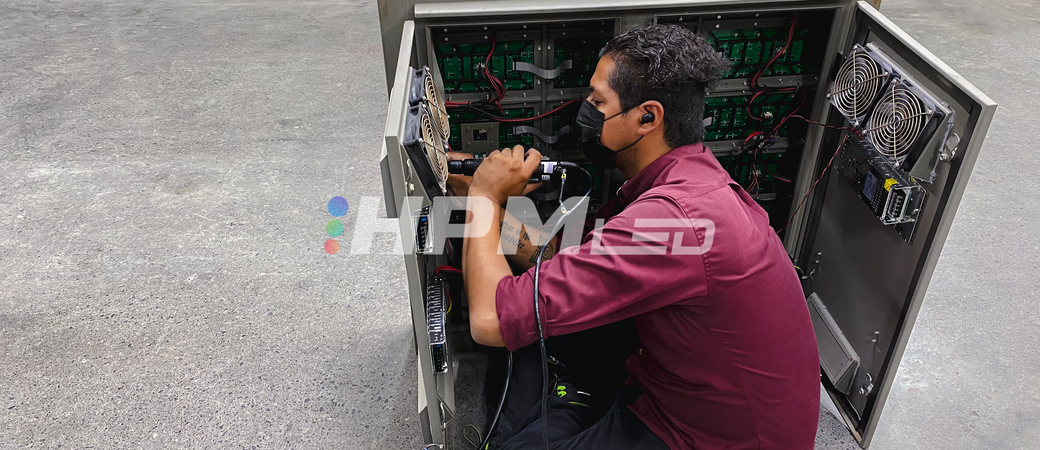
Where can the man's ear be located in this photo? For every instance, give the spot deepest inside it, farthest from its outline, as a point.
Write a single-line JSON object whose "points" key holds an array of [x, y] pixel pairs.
{"points": [[651, 117]]}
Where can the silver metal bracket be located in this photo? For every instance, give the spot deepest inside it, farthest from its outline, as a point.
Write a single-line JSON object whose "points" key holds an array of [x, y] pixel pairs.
{"points": [[545, 74], [525, 129], [479, 137], [815, 264], [949, 150], [866, 384]]}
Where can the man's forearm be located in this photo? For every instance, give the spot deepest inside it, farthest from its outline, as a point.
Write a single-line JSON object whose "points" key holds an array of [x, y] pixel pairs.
{"points": [[483, 266], [528, 243]]}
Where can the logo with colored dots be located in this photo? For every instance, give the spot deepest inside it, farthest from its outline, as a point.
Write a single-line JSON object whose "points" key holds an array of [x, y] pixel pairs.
{"points": [[334, 228]]}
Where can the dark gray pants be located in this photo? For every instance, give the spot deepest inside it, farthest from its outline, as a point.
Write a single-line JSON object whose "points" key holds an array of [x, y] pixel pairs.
{"points": [[594, 413]]}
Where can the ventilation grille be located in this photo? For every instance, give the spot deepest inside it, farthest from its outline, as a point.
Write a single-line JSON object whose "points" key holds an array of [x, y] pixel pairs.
{"points": [[898, 116], [436, 102], [434, 146], [897, 123], [424, 91], [426, 149], [857, 86]]}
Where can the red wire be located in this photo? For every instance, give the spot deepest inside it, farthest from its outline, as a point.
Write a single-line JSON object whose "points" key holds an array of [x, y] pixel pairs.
{"points": [[440, 269], [790, 37], [539, 116], [790, 114], [496, 84], [752, 100], [795, 116], [751, 136], [824, 172]]}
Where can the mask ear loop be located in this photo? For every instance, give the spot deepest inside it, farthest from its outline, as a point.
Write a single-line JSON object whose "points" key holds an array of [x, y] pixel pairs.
{"points": [[629, 145]]}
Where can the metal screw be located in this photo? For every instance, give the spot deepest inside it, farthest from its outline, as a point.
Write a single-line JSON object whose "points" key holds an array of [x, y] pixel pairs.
{"points": [[485, 28], [720, 17], [445, 39], [445, 30], [756, 24], [548, 47], [717, 25], [485, 38]]}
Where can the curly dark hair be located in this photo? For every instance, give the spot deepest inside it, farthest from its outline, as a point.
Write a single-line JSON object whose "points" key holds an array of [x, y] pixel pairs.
{"points": [[672, 65]]}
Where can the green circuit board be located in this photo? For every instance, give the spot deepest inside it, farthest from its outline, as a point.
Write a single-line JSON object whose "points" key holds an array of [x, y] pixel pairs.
{"points": [[567, 117], [506, 136], [583, 54], [751, 48], [462, 65], [730, 119], [744, 168]]}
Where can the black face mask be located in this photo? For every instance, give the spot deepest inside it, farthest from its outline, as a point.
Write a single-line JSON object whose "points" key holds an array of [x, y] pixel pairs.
{"points": [[590, 122]]}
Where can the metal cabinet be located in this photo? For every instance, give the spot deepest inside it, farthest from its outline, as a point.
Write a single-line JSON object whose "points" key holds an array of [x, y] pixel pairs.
{"points": [[864, 214]]}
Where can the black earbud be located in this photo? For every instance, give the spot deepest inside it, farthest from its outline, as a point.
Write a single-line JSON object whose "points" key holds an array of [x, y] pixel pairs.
{"points": [[647, 118]]}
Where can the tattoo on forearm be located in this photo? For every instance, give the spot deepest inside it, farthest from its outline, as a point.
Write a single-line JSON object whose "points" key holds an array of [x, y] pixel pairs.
{"points": [[509, 235], [546, 251]]}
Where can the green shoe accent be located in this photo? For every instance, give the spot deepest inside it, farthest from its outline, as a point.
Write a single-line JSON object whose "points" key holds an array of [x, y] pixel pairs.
{"points": [[579, 404]]}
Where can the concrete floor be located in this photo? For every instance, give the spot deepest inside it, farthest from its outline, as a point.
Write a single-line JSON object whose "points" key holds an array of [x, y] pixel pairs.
{"points": [[165, 170]]}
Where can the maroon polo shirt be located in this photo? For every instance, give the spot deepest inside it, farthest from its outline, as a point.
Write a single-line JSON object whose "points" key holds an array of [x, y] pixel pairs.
{"points": [[729, 357]]}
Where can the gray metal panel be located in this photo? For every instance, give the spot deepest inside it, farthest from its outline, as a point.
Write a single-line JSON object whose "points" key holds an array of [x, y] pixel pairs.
{"points": [[399, 184], [546, 7], [837, 357], [388, 185], [393, 13], [871, 281], [809, 170], [392, 16]]}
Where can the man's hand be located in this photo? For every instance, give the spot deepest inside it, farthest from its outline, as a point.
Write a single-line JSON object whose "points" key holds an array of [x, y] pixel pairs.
{"points": [[505, 174]]}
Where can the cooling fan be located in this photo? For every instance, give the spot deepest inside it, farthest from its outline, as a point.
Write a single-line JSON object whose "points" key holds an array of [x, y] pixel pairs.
{"points": [[898, 116], [858, 84], [904, 121], [424, 90], [427, 149]]}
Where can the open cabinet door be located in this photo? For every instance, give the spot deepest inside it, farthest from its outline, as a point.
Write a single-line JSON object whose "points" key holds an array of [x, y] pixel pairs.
{"points": [[411, 147], [881, 214]]}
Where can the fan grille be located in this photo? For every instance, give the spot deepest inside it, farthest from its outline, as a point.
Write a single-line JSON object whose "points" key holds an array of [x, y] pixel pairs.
{"points": [[432, 143], [857, 85], [896, 123], [437, 106]]}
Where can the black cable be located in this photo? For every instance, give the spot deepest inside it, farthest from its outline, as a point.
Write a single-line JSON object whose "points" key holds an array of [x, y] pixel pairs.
{"points": [[537, 307], [476, 107], [498, 413]]}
